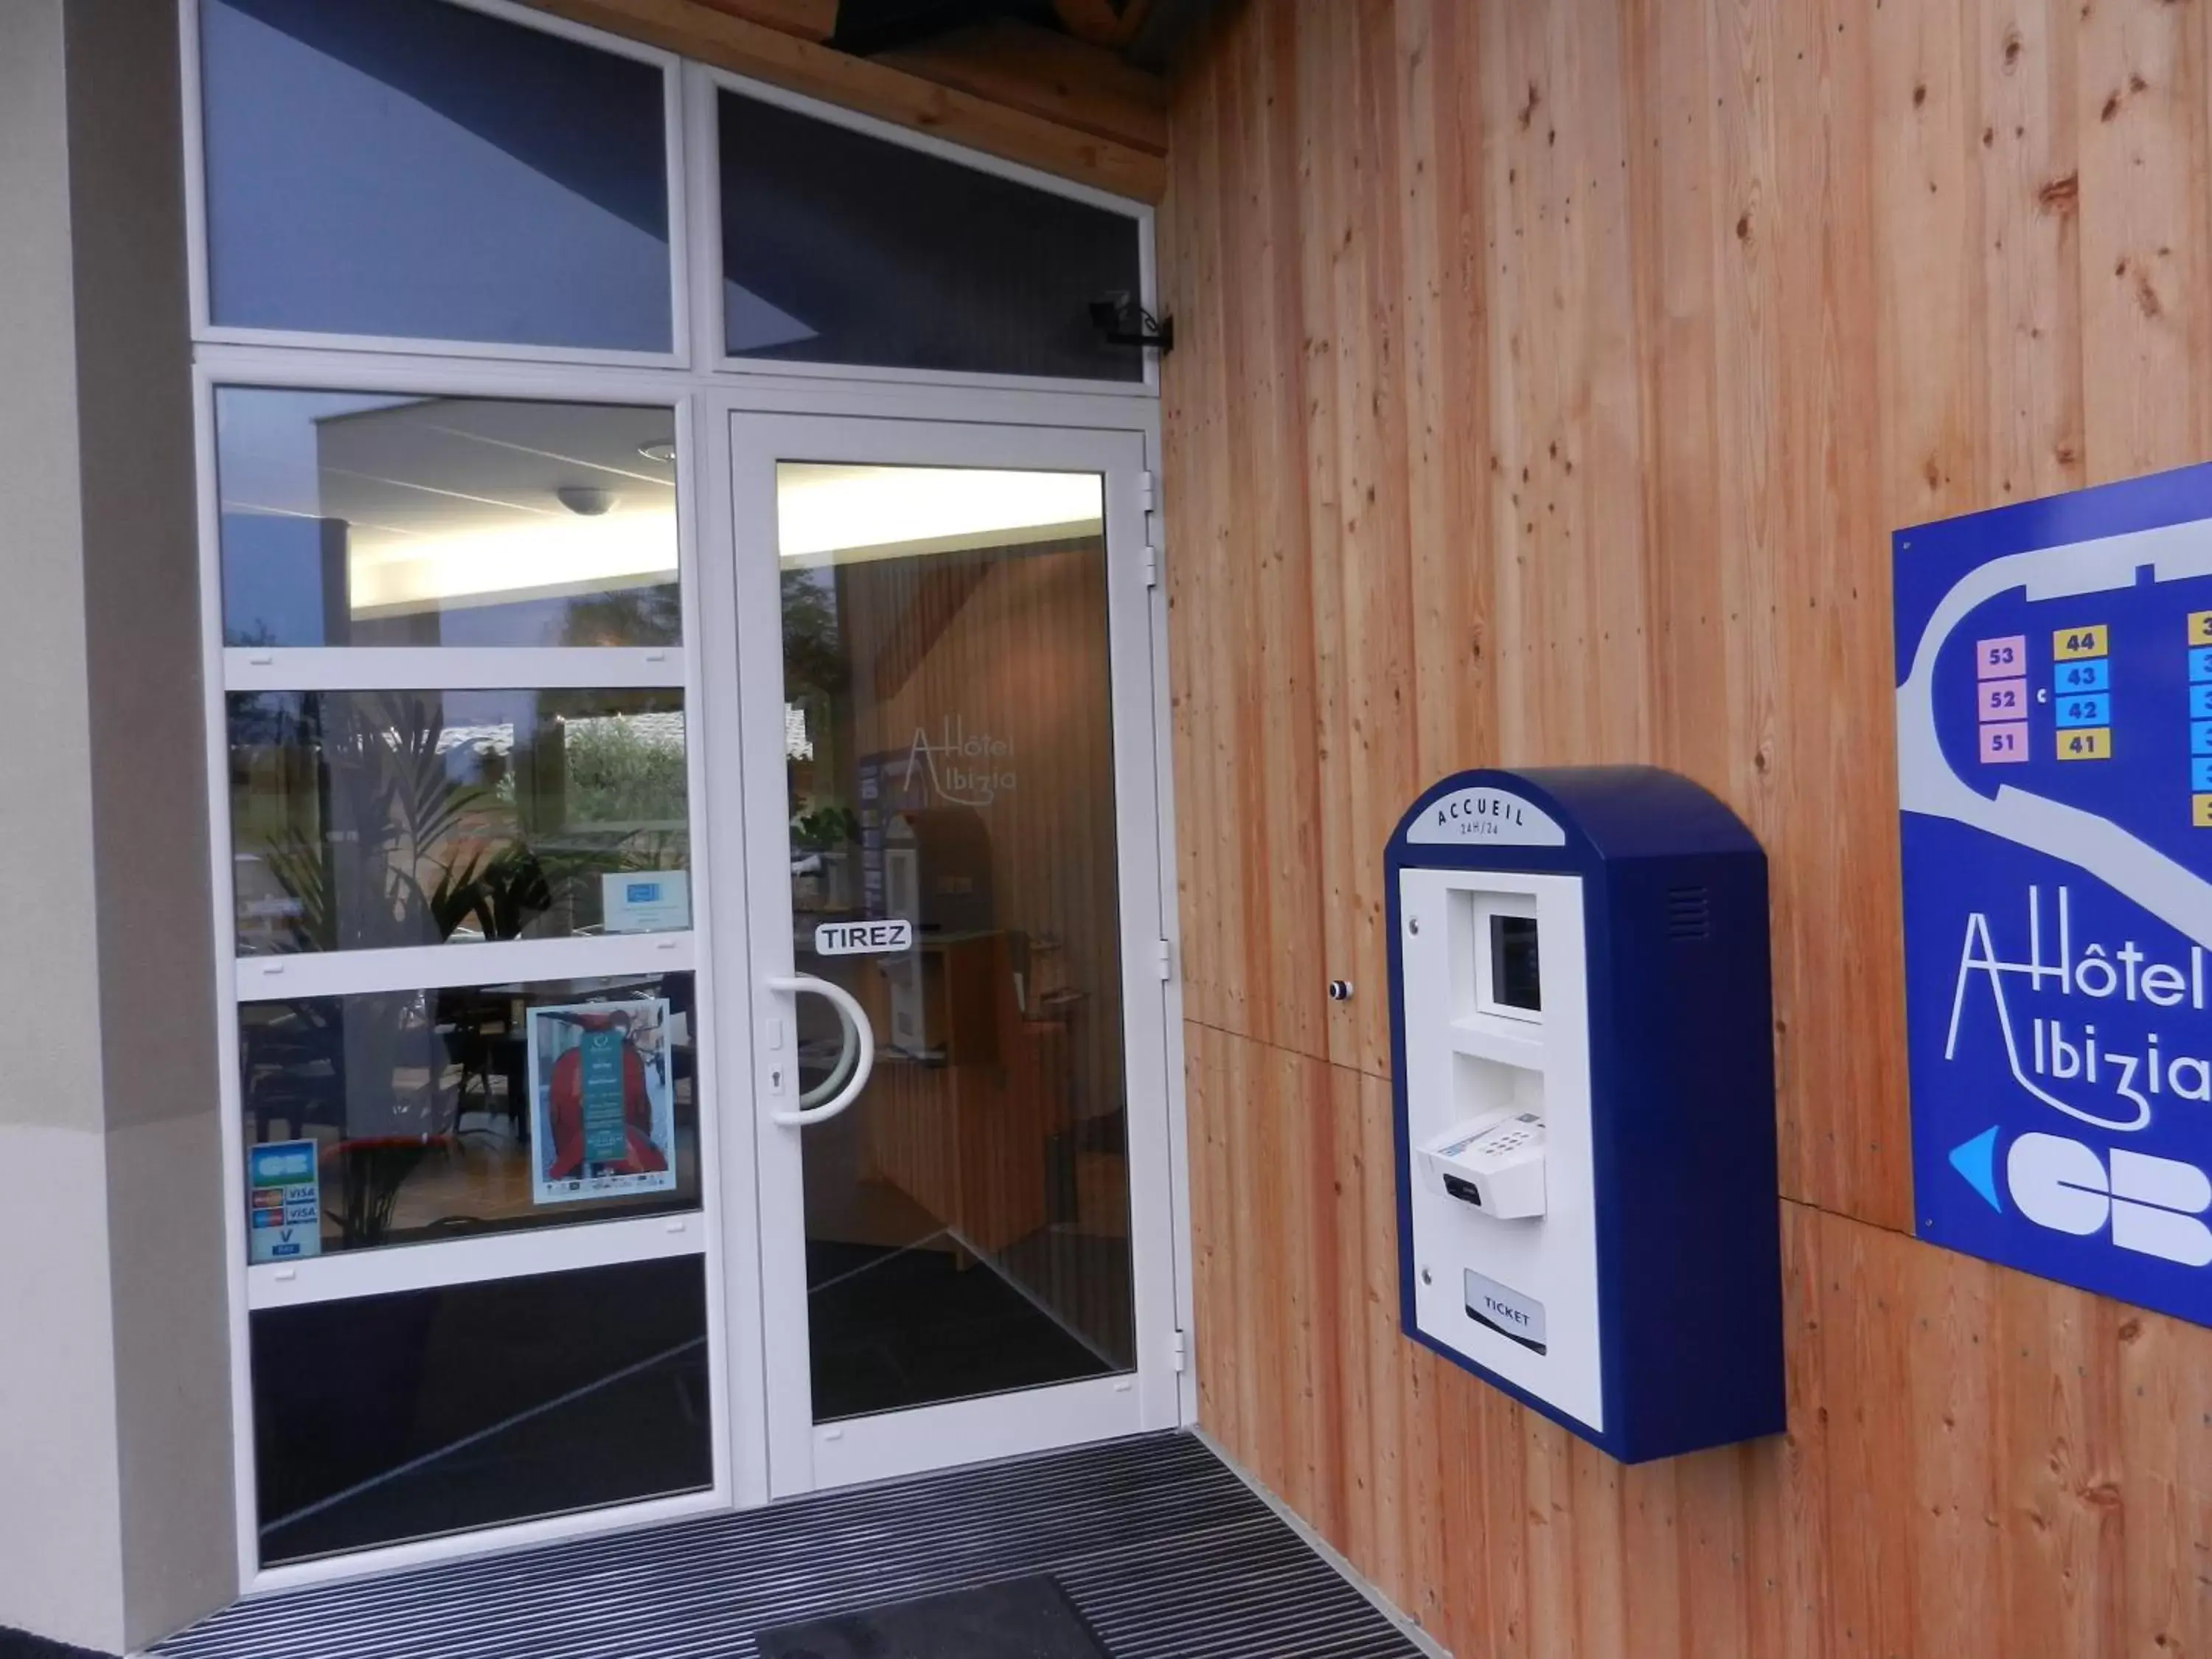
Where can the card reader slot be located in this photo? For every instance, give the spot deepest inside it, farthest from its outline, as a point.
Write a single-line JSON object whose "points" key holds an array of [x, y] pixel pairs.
{"points": [[1489, 1323], [1493, 1163]]}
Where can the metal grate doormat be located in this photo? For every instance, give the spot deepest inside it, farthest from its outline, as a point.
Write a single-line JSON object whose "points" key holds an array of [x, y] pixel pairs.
{"points": [[1163, 1552], [1023, 1619]]}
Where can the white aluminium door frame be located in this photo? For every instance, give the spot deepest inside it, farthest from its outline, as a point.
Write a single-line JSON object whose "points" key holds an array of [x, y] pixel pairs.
{"points": [[746, 815], [704, 390], [719, 946]]}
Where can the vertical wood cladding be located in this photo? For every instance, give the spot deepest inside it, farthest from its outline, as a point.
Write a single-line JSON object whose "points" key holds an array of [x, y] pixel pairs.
{"points": [[1549, 376]]}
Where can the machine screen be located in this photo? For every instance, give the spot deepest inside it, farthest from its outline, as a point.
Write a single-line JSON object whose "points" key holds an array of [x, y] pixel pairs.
{"points": [[1514, 982]]}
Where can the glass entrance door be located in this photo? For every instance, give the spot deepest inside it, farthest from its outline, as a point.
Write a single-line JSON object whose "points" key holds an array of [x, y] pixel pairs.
{"points": [[954, 908]]}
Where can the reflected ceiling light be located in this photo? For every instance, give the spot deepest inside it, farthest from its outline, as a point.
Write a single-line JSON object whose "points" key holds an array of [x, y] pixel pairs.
{"points": [[664, 454], [597, 553], [823, 509]]}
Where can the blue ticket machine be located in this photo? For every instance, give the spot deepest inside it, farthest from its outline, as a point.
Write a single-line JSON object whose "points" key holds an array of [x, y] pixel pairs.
{"points": [[1580, 1028]]}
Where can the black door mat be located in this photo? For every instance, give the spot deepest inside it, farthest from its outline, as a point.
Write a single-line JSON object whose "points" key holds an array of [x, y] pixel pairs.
{"points": [[1162, 1549], [1022, 1618]]}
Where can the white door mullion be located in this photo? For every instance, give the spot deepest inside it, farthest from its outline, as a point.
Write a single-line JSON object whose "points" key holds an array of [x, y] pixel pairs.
{"points": [[441, 966], [1149, 959], [539, 1249], [760, 816], [452, 668], [722, 781]]}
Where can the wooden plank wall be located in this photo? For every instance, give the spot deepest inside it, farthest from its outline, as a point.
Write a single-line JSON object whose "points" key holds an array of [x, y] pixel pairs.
{"points": [[1549, 375]]}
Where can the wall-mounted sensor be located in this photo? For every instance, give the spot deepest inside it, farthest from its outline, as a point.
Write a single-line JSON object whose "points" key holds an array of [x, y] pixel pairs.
{"points": [[1339, 990], [1121, 321]]}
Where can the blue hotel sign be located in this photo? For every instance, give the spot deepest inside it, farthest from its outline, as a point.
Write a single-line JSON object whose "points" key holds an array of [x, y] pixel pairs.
{"points": [[2054, 727]]}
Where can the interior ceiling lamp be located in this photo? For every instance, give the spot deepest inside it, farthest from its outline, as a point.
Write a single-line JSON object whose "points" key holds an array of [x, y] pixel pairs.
{"points": [[586, 501]]}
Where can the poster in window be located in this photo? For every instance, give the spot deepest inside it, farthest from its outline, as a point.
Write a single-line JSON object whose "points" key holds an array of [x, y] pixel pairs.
{"points": [[603, 1100]]}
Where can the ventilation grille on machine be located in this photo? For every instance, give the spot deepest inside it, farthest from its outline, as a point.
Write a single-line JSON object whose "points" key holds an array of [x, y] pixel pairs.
{"points": [[1689, 912]]}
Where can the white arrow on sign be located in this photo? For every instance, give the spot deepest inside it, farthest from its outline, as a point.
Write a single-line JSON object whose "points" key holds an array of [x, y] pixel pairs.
{"points": [[863, 938]]}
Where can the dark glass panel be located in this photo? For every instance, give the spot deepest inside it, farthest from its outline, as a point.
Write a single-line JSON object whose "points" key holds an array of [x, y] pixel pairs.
{"points": [[838, 247], [386, 1418]]}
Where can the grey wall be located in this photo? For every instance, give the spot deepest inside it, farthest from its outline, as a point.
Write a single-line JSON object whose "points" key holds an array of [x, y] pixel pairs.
{"points": [[116, 1519], [158, 1058], [61, 1559]]}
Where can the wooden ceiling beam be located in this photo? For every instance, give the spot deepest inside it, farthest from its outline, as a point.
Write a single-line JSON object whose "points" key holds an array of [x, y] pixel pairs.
{"points": [[1056, 76], [1112, 23], [713, 35], [810, 20]]}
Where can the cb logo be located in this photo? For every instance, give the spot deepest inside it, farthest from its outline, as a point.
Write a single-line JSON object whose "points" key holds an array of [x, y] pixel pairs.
{"points": [[2151, 1204]]}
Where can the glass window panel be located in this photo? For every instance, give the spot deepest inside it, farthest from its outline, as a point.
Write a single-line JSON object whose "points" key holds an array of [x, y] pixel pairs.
{"points": [[838, 247], [417, 1115], [358, 519], [416, 169], [370, 819], [389, 1418], [949, 759]]}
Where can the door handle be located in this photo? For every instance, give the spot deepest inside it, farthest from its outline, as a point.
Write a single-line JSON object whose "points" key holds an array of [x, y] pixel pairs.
{"points": [[858, 1052], [849, 1050]]}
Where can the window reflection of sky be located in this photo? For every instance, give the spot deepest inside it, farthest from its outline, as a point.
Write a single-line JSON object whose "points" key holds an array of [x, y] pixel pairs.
{"points": [[403, 168]]}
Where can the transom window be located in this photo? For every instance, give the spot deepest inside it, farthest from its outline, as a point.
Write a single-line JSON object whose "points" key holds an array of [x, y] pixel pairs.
{"points": [[472, 176], [407, 168]]}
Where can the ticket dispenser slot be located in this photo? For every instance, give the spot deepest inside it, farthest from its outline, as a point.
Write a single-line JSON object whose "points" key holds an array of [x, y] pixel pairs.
{"points": [[1584, 1095]]}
